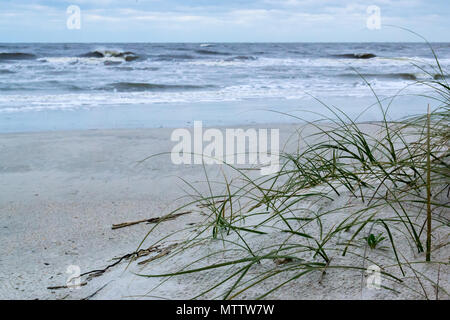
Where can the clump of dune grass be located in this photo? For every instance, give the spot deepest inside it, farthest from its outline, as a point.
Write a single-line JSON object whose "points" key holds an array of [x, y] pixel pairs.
{"points": [[341, 186]]}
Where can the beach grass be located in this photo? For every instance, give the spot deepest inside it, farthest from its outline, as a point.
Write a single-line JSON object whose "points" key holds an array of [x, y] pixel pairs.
{"points": [[343, 186]]}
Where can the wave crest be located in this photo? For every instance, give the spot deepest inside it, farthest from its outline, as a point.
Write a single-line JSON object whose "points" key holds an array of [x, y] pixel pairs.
{"points": [[355, 55], [402, 76], [142, 86], [125, 55], [16, 56], [212, 53]]}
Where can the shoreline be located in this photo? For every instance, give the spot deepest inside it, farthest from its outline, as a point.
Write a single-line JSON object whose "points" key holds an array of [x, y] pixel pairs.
{"points": [[214, 114]]}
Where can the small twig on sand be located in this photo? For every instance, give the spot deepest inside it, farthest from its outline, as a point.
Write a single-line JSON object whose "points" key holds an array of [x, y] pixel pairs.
{"points": [[67, 287], [133, 255], [162, 253], [151, 220], [99, 272]]}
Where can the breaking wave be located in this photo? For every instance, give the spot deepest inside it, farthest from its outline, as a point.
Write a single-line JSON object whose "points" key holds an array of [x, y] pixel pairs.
{"points": [[355, 55], [16, 56], [125, 55], [141, 86], [212, 53], [402, 76]]}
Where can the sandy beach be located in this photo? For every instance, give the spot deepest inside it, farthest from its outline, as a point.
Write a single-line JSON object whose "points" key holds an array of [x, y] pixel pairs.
{"points": [[61, 192], [207, 152]]}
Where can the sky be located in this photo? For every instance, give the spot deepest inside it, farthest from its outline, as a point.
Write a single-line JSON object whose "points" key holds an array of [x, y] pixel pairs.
{"points": [[223, 21]]}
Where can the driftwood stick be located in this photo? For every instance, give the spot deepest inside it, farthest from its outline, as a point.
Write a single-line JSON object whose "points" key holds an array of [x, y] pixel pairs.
{"points": [[161, 254], [66, 287], [133, 255], [127, 224], [151, 220]]}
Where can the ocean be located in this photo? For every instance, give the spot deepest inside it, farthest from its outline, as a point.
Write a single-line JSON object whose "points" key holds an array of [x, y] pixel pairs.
{"points": [[71, 86]]}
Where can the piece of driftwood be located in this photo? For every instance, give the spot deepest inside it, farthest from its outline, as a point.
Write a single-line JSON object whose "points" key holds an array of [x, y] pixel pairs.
{"points": [[151, 220], [67, 287], [161, 254], [132, 255]]}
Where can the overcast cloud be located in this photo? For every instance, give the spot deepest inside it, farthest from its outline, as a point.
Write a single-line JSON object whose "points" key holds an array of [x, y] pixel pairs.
{"points": [[222, 21]]}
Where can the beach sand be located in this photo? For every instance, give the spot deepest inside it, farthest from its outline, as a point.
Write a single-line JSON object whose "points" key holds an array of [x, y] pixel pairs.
{"points": [[60, 193]]}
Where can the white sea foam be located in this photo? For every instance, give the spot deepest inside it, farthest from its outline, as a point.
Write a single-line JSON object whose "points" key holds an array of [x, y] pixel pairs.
{"points": [[80, 60], [279, 90], [322, 62]]}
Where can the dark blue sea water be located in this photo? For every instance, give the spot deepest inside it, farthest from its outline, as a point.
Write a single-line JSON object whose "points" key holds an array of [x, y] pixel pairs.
{"points": [[79, 86]]}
